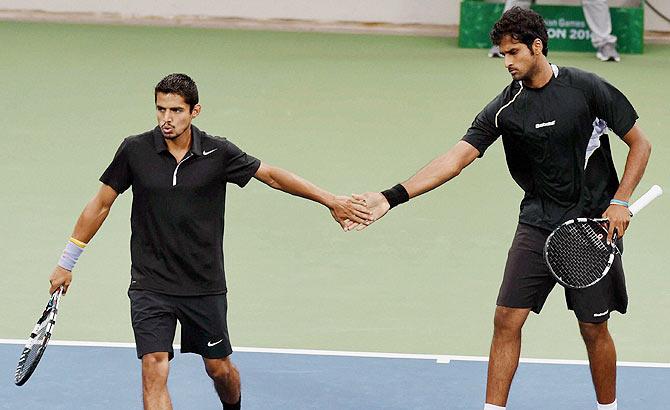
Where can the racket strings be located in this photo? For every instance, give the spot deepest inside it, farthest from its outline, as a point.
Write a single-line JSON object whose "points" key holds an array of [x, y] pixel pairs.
{"points": [[578, 254], [30, 356], [37, 342], [34, 350]]}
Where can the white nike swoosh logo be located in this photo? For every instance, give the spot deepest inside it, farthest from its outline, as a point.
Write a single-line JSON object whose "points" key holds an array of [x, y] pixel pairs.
{"points": [[210, 344], [208, 152], [601, 314], [545, 124]]}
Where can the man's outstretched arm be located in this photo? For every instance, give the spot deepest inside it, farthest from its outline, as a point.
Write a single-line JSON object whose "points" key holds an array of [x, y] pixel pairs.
{"points": [[87, 225], [436, 173], [343, 209]]}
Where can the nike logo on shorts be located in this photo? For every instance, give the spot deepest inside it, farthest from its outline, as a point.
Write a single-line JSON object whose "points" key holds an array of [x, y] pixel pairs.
{"points": [[210, 344], [601, 314]]}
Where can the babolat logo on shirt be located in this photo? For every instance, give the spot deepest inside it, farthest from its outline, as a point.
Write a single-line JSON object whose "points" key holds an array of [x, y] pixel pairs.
{"points": [[545, 124]]}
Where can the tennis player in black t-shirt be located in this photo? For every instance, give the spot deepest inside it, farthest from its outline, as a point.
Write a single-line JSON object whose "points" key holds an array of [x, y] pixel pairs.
{"points": [[179, 175], [553, 122]]}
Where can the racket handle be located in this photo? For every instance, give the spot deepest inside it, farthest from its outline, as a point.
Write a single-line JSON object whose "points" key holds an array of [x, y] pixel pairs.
{"points": [[645, 199]]}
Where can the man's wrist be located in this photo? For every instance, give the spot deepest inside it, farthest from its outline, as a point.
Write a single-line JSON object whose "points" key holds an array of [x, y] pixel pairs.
{"points": [[396, 195], [73, 250], [619, 202], [329, 201]]}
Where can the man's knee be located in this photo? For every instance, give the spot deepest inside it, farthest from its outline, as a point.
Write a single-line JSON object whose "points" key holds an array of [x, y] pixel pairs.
{"points": [[219, 369], [509, 320], [593, 332], [155, 365]]}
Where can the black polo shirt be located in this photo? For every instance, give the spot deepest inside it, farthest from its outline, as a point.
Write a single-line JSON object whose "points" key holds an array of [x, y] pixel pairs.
{"points": [[178, 209], [556, 145]]}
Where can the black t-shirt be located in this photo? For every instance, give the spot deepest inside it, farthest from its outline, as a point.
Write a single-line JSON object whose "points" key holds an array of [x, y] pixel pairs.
{"points": [[178, 209], [555, 143]]}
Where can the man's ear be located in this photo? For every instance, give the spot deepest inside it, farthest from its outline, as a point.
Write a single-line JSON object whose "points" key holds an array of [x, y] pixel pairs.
{"points": [[196, 110]]}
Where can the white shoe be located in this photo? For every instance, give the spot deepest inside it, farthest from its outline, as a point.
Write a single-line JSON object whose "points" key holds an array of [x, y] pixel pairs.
{"points": [[608, 52], [494, 52]]}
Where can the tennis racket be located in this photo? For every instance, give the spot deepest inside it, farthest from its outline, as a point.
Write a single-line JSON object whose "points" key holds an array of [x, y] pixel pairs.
{"points": [[577, 252], [37, 343]]}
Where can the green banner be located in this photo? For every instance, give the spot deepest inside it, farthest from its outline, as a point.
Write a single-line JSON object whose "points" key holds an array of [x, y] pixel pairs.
{"points": [[566, 26]]}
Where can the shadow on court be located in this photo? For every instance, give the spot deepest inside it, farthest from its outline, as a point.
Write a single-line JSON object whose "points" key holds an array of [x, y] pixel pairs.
{"points": [[72, 378]]}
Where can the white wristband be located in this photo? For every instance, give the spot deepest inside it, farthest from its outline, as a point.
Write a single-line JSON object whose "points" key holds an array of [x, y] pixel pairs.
{"points": [[71, 254]]}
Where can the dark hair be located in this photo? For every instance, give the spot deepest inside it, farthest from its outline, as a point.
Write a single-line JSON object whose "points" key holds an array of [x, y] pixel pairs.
{"points": [[179, 84], [523, 25]]}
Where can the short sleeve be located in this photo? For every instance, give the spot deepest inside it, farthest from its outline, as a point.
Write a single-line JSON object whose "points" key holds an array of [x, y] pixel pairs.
{"points": [[613, 107], [239, 167], [483, 131], [118, 174]]}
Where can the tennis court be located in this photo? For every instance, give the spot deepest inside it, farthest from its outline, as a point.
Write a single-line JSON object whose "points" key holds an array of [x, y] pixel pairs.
{"points": [[103, 377], [351, 113]]}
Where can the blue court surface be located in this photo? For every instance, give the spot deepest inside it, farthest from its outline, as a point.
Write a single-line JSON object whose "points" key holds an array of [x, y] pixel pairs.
{"points": [[93, 377]]}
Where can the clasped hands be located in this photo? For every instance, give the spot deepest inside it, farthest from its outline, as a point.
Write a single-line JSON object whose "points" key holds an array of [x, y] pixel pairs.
{"points": [[359, 210]]}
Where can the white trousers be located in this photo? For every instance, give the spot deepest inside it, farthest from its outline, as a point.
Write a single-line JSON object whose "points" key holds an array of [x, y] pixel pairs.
{"points": [[597, 14]]}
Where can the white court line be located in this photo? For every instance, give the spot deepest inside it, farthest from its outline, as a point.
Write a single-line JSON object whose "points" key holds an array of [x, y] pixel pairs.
{"points": [[72, 343], [442, 359]]}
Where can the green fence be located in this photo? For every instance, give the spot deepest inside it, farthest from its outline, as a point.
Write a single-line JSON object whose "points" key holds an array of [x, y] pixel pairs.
{"points": [[566, 26]]}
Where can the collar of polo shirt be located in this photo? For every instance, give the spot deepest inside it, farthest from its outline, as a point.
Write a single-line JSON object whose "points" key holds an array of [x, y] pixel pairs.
{"points": [[196, 140]]}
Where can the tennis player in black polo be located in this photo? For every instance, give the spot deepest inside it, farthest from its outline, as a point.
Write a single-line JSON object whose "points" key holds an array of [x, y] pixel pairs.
{"points": [[553, 122], [178, 175]]}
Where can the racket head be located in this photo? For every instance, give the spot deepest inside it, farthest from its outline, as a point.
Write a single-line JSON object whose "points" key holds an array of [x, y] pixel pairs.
{"points": [[577, 252], [37, 343]]}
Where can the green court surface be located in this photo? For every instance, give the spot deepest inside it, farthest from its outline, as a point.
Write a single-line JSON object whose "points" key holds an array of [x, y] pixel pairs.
{"points": [[349, 112]]}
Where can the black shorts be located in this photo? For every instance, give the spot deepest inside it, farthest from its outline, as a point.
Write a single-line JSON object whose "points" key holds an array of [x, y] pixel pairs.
{"points": [[203, 323], [528, 281]]}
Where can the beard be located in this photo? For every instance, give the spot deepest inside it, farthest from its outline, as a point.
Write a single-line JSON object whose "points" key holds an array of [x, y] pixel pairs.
{"points": [[174, 134], [171, 137], [530, 73]]}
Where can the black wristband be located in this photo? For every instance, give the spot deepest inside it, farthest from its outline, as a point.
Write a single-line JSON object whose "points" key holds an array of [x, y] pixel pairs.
{"points": [[396, 195]]}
